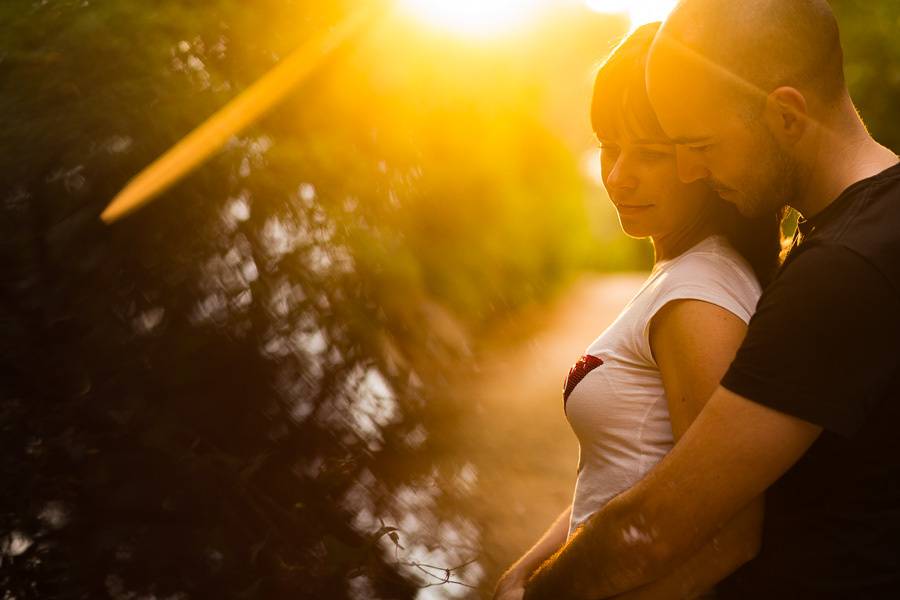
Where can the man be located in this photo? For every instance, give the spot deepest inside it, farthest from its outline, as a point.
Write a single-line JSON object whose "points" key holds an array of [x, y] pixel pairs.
{"points": [[753, 94]]}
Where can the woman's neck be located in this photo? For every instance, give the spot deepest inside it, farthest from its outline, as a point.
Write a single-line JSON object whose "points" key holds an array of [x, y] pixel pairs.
{"points": [[667, 247]]}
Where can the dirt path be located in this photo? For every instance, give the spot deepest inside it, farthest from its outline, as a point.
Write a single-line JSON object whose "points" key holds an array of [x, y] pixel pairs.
{"points": [[517, 435]]}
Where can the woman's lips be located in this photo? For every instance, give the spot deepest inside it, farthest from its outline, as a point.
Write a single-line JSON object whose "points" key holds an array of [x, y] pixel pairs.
{"points": [[632, 208]]}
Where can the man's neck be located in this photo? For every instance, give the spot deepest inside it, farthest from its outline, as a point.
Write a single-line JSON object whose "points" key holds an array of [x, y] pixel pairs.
{"points": [[844, 156]]}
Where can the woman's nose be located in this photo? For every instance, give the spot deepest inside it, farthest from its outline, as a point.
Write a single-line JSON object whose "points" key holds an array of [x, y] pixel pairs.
{"points": [[620, 176]]}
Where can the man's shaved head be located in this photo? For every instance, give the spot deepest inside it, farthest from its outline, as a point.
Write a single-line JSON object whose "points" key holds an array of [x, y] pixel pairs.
{"points": [[764, 43], [744, 88]]}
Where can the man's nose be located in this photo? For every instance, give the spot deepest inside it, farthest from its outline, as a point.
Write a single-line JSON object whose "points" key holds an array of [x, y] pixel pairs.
{"points": [[690, 167]]}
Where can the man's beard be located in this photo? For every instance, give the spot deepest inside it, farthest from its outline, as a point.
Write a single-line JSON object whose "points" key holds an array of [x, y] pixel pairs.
{"points": [[776, 182]]}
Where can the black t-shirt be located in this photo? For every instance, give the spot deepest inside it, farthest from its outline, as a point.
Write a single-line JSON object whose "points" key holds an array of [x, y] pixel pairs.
{"points": [[824, 346]]}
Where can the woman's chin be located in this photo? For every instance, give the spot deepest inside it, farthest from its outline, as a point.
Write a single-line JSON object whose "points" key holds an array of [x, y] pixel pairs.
{"points": [[633, 229]]}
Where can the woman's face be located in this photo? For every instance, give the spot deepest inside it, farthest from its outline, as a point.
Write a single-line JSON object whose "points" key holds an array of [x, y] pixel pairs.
{"points": [[641, 179]]}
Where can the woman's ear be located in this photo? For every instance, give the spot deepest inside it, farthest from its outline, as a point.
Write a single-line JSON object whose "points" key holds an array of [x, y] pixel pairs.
{"points": [[787, 114]]}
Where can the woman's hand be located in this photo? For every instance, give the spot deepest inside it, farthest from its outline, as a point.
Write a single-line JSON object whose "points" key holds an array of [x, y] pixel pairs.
{"points": [[510, 587]]}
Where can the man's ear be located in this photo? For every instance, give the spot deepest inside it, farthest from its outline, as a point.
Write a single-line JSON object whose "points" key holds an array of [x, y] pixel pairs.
{"points": [[786, 114]]}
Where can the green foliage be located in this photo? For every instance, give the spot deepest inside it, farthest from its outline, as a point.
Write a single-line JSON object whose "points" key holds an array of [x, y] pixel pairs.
{"points": [[232, 393], [872, 62], [222, 395]]}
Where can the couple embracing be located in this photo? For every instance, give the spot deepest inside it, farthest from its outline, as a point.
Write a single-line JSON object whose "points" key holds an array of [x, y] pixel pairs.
{"points": [[737, 423]]}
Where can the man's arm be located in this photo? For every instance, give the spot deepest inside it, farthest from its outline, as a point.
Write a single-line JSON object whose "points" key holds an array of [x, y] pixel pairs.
{"points": [[732, 452], [826, 300], [693, 343], [729, 548]]}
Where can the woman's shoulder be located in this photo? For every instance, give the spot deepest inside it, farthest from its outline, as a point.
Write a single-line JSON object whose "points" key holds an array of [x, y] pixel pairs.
{"points": [[713, 272], [713, 262]]}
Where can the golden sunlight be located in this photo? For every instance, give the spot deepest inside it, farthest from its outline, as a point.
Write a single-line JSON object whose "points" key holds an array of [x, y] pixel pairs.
{"points": [[638, 11], [473, 17]]}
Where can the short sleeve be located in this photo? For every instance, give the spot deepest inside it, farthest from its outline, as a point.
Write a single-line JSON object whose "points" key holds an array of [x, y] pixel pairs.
{"points": [[823, 344], [711, 280]]}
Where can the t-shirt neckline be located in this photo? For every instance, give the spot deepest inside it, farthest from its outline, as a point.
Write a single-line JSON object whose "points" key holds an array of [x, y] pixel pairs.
{"points": [[708, 239], [805, 226]]}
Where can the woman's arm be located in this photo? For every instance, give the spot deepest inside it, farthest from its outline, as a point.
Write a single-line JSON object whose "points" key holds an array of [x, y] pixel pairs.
{"points": [[513, 580], [693, 343]]}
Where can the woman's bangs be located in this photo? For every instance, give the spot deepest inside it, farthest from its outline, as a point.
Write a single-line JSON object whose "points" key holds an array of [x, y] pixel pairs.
{"points": [[620, 105], [623, 108], [638, 115]]}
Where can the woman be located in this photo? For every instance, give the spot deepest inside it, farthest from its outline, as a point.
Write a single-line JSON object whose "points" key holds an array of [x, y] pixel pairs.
{"points": [[643, 381]]}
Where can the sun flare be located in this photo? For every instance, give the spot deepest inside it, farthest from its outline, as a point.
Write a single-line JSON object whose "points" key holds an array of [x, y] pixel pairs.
{"points": [[473, 17], [638, 11]]}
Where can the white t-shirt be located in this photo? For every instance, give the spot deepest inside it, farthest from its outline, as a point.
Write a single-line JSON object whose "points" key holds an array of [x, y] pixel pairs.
{"points": [[619, 410]]}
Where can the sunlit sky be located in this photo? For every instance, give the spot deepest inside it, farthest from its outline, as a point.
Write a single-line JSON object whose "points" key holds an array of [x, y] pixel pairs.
{"points": [[489, 17], [481, 17], [638, 11]]}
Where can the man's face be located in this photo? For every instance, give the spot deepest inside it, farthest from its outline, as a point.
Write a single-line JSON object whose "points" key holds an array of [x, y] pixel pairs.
{"points": [[716, 142]]}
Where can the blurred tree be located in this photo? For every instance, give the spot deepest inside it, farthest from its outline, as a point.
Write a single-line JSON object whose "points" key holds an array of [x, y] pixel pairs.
{"points": [[872, 62], [236, 391], [230, 394]]}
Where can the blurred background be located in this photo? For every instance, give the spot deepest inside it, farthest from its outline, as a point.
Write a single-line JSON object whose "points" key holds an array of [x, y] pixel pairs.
{"points": [[328, 363]]}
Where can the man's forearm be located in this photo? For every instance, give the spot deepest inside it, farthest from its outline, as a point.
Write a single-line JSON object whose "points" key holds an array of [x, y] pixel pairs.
{"points": [[607, 556], [732, 546], [732, 452]]}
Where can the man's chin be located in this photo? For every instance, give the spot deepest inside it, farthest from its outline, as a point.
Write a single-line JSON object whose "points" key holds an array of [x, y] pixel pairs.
{"points": [[746, 208], [735, 199], [751, 210]]}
